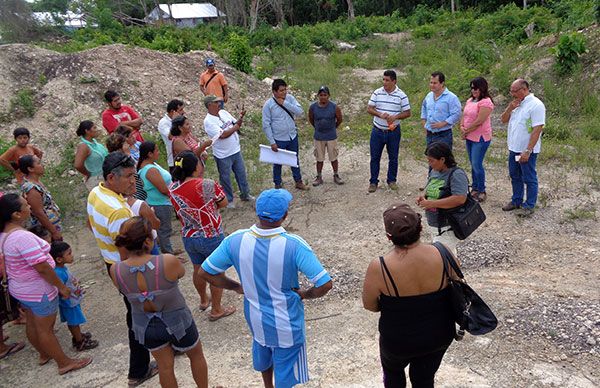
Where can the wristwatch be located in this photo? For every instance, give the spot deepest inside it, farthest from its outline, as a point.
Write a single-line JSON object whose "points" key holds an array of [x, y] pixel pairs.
{"points": [[528, 151]]}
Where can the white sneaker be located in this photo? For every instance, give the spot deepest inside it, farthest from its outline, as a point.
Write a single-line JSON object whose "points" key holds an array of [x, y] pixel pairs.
{"points": [[230, 205]]}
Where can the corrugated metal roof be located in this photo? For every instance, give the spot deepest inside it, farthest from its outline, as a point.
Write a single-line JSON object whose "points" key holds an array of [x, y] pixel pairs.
{"points": [[70, 19], [191, 11]]}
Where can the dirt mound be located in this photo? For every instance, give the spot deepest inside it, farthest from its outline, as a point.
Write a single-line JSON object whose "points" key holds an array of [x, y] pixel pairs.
{"points": [[68, 88]]}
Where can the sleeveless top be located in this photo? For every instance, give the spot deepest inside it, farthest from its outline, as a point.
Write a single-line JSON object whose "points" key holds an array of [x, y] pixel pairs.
{"points": [[155, 197], [164, 295], [51, 209], [324, 118], [411, 326], [93, 163], [189, 140]]}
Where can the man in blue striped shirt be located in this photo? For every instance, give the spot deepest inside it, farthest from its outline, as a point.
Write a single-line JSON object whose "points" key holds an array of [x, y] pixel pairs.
{"points": [[388, 105], [267, 260], [440, 111]]}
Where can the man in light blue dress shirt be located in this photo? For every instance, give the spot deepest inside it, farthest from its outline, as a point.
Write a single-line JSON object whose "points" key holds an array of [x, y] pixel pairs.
{"points": [[278, 124], [440, 111]]}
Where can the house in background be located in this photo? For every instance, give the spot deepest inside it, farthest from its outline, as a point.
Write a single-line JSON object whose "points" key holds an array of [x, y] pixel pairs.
{"points": [[185, 14], [69, 20]]}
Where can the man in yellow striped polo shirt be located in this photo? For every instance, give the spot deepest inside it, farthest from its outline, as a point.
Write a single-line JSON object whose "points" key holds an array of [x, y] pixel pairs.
{"points": [[107, 209]]}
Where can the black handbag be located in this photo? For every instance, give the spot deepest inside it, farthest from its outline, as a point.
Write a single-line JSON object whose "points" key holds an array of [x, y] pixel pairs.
{"points": [[471, 313], [9, 308], [463, 219]]}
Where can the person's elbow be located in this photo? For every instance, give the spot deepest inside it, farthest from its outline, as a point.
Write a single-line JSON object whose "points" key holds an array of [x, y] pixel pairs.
{"points": [[371, 305], [325, 288]]}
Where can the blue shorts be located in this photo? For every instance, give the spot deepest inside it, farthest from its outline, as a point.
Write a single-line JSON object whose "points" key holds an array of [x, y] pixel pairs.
{"points": [[157, 337], [72, 315], [199, 248], [289, 364], [44, 308]]}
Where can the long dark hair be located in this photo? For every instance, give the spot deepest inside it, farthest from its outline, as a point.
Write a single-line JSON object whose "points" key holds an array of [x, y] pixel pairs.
{"points": [[185, 165], [9, 203], [145, 149], [176, 125], [480, 83], [438, 150]]}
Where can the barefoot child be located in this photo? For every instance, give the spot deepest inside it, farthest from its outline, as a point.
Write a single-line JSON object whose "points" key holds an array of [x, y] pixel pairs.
{"points": [[10, 159], [70, 309]]}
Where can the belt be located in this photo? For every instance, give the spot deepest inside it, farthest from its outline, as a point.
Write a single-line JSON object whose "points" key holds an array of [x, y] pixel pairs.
{"points": [[387, 129], [438, 133]]}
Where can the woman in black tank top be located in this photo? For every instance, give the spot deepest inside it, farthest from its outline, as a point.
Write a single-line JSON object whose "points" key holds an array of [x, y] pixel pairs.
{"points": [[409, 288]]}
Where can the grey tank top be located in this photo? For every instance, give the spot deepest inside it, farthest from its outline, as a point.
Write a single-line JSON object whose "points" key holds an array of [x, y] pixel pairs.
{"points": [[164, 294]]}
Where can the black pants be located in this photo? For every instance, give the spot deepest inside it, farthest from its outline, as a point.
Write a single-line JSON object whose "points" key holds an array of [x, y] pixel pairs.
{"points": [[421, 371], [139, 357]]}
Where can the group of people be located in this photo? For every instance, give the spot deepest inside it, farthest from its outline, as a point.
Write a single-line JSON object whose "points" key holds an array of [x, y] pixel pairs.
{"points": [[132, 200]]}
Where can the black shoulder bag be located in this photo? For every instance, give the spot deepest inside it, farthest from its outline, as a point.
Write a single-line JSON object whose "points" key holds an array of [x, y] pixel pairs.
{"points": [[210, 79], [285, 109], [470, 312], [463, 219]]}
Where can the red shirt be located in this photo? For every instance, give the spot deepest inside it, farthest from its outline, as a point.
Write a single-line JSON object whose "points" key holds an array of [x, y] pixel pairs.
{"points": [[111, 119], [195, 201]]}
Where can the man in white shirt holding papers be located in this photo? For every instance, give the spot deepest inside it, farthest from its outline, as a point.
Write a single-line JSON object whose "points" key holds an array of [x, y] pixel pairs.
{"points": [[223, 129]]}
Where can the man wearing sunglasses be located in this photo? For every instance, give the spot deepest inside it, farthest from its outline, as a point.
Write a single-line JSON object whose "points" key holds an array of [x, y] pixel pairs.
{"points": [[107, 210]]}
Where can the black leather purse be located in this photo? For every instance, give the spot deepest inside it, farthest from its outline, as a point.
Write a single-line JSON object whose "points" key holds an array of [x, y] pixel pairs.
{"points": [[471, 313]]}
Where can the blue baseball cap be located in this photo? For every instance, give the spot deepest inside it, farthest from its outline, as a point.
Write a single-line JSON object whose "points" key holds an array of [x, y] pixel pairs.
{"points": [[272, 204], [210, 62]]}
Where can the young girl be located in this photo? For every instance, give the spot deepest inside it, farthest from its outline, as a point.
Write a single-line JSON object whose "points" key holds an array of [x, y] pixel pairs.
{"points": [[70, 309]]}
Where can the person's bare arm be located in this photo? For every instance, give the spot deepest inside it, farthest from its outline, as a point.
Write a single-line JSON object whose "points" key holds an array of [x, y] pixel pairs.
{"points": [[135, 123], [47, 273], [315, 292], [225, 93], [338, 117], [443, 203], [372, 111], [6, 157], [371, 292], [174, 269], [37, 151], [147, 213], [221, 281], [81, 154], [201, 148], [222, 203], [533, 139], [484, 113], [153, 175], [402, 115], [34, 199], [311, 117], [505, 117]]}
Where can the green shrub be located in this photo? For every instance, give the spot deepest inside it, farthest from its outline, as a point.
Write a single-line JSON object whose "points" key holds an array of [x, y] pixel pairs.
{"points": [[557, 128], [5, 175], [425, 31], [422, 15], [591, 129], [575, 14], [567, 52], [479, 55], [240, 53]]}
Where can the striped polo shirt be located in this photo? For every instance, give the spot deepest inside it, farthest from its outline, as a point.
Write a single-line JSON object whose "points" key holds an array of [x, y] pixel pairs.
{"points": [[392, 103], [267, 262], [107, 211]]}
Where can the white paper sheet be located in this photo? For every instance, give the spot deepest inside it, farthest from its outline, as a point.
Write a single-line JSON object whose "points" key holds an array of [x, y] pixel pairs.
{"points": [[284, 157]]}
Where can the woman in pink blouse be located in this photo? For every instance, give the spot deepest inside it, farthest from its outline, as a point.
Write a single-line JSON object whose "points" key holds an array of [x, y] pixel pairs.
{"points": [[476, 129], [33, 282]]}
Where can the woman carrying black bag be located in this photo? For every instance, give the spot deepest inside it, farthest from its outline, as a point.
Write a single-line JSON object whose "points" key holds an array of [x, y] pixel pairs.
{"points": [[410, 288]]}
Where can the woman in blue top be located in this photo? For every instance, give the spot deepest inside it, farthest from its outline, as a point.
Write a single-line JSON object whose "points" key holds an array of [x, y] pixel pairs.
{"points": [[156, 183], [90, 154]]}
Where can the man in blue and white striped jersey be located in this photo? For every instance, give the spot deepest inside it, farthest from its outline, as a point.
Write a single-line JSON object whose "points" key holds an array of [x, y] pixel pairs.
{"points": [[267, 260], [388, 105]]}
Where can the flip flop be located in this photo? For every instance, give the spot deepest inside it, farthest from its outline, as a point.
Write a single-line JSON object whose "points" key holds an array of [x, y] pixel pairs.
{"points": [[43, 362], [227, 311], [204, 307], [12, 349], [80, 363]]}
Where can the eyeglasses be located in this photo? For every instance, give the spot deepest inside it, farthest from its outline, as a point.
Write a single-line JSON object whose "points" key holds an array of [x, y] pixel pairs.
{"points": [[474, 88], [121, 162]]}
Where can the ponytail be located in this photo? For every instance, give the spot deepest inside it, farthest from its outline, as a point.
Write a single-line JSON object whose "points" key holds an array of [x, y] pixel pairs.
{"points": [[145, 149]]}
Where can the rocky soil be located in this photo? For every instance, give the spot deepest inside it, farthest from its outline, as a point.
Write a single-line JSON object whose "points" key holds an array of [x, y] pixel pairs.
{"points": [[540, 275]]}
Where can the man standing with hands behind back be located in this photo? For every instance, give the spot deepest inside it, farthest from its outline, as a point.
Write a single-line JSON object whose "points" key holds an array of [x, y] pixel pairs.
{"points": [[278, 124], [213, 82], [388, 105], [526, 117]]}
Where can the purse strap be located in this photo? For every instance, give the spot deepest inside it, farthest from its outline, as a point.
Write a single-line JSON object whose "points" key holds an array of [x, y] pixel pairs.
{"points": [[3, 261], [448, 260]]}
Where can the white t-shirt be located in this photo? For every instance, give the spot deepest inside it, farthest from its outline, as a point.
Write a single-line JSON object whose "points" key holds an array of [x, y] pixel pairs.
{"points": [[530, 113], [164, 128], [213, 126]]}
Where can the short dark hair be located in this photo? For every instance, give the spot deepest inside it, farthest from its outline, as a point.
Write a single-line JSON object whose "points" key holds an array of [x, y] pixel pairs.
{"points": [[440, 76], [25, 163], [9, 203], [115, 162], [410, 236], [115, 142], [277, 83], [84, 126], [390, 73], [123, 130], [438, 150], [109, 95], [174, 105], [21, 131], [185, 165], [58, 249], [176, 125]]}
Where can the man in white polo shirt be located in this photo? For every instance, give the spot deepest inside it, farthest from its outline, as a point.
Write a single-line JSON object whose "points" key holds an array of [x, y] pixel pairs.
{"points": [[388, 105], [223, 128], [526, 117]]}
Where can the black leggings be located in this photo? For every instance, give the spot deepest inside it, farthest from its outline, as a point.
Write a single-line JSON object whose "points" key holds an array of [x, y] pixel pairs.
{"points": [[421, 371]]}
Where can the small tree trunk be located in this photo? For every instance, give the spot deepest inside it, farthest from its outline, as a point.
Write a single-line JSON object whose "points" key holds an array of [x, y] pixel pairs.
{"points": [[524, 4], [350, 9], [254, 4], [452, 6]]}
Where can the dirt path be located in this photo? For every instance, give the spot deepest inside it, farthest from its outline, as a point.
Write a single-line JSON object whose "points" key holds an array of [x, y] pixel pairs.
{"points": [[539, 275]]}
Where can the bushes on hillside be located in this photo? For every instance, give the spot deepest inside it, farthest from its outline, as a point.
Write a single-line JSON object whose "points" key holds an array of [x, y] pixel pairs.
{"points": [[567, 52]]}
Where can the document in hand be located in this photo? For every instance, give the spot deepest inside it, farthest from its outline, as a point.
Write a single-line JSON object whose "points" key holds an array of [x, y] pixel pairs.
{"points": [[285, 157]]}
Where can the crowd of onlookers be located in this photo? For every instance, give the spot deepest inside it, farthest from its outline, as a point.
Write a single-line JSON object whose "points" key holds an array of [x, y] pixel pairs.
{"points": [[133, 200]]}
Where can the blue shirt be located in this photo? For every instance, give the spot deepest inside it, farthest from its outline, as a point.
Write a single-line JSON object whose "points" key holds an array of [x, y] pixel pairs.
{"points": [[446, 108], [267, 262], [276, 123]]}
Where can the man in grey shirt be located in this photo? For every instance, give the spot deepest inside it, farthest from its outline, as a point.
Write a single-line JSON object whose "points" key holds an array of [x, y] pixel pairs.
{"points": [[278, 124]]}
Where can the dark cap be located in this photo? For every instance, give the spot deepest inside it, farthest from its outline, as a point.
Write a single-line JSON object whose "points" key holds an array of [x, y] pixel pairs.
{"points": [[324, 89], [399, 218]]}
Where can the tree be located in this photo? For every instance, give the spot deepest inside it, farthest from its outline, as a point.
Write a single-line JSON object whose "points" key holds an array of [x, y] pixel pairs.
{"points": [[17, 24], [350, 9]]}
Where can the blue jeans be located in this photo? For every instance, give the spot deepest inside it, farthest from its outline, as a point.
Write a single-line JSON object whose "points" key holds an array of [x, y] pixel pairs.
{"points": [[523, 174], [290, 145], [233, 163], [391, 140], [476, 152], [199, 248], [444, 137]]}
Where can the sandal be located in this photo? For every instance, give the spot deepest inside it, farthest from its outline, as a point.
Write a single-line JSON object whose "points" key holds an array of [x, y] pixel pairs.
{"points": [[481, 196], [152, 371], [86, 335], [12, 349], [85, 344], [44, 361], [227, 311], [79, 363]]}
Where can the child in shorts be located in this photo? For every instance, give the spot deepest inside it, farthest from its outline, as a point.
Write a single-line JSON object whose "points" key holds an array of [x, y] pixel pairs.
{"points": [[70, 309]]}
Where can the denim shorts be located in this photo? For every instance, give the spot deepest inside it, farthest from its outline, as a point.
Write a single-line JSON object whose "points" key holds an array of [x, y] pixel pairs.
{"points": [[199, 248], [157, 337], [44, 308]]}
